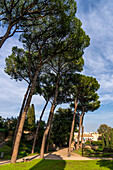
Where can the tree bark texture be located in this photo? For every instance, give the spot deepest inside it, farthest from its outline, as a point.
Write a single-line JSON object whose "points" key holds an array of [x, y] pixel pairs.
{"points": [[49, 122], [47, 148], [77, 146], [19, 118], [72, 128], [37, 129], [49, 136], [82, 129], [82, 136], [20, 129]]}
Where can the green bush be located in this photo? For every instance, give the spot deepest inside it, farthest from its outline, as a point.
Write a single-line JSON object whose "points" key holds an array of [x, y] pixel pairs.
{"points": [[87, 142], [3, 130], [7, 150], [96, 143], [22, 154]]}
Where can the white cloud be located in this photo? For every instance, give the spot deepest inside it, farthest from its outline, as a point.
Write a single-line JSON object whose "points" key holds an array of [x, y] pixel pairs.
{"points": [[98, 24]]}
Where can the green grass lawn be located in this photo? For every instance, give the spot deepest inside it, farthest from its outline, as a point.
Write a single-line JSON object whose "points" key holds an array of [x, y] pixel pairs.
{"points": [[42, 164], [94, 153]]}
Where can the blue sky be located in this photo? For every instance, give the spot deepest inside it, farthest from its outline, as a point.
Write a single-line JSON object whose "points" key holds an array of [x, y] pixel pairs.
{"points": [[97, 21]]}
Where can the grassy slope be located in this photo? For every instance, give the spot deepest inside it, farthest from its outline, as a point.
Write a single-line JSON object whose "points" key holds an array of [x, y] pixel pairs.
{"points": [[60, 165]]}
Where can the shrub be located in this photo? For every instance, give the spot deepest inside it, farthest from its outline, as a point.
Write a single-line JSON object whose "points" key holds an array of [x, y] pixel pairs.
{"points": [[96, 143], [87, 142]]}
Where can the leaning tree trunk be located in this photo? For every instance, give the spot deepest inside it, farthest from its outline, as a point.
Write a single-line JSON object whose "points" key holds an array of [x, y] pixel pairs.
{"points": [[19, 118], [72, 128], [49, 136], [36, 134], [82, 135], [77, 146], [20, 129], [49, 133], [47, 148], [49, 122]]}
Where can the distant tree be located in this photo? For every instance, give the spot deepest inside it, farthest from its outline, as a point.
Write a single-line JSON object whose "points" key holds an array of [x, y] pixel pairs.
{"points": [[10, 123], [61, 126], [111, 138], [1, 122], [104, 129], [103, 141], [107, 139], [31, 118], [40, 133]]}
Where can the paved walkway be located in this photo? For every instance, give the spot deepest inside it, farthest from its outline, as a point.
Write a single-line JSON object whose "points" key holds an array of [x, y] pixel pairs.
{"points": [[61, 154]]}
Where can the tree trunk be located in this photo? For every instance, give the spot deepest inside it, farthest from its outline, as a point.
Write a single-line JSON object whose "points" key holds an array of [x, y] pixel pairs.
{"points": [[72, 128], [35, 137], [49, 122], [49, 136], [77, 146], [48, 139], [19, 118], [82, 135], [50, 132], [83, 128], [20, 129], [5, 36]]}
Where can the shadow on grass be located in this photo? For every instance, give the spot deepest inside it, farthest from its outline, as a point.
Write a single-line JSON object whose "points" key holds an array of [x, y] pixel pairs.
{"points": [[106, 163], [55, 164]]}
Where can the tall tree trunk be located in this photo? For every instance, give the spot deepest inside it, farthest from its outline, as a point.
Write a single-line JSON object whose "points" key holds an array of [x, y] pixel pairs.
{"points": [[77, 146], [49, 136], [72, 128], [82, 135], [49, 122], [50, 132], [20, 129], [82, 129], [19, 118], [37, 129], [47, 148]]}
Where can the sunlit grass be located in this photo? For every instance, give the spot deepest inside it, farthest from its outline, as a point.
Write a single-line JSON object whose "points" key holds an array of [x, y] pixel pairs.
{"points": [[42, 164]]}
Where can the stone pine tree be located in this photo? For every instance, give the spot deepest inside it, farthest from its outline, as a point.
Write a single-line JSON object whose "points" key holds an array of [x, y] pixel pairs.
{"points": [[46, 46], [47, 91], [104, 129], [82, 90], [62, 97], [17, 66], [18, 16], [48, 82], [89, 103], [67, 62], [62, 65], [31, 118]]}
